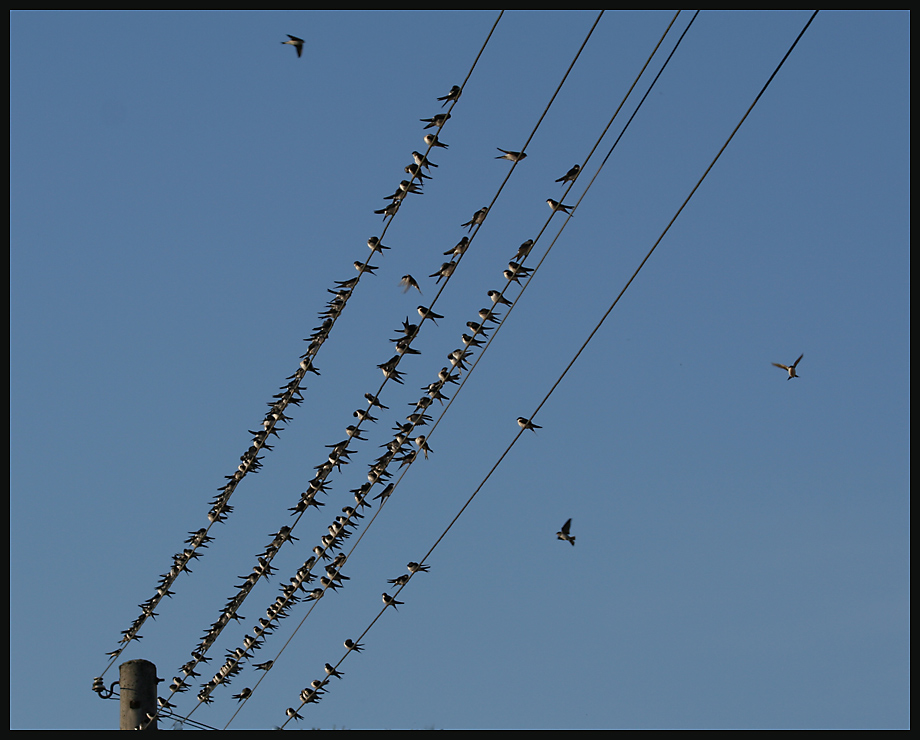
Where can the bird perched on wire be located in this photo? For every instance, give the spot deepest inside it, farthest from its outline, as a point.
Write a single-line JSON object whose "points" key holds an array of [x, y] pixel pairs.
{"points": [[557, 206], [570, 175], [511, 156], [432, 140], [563, 534], [527, 424], [453, 95], [295, 42], [790, 368], [436, 121], [391, 601], [477, 218]]}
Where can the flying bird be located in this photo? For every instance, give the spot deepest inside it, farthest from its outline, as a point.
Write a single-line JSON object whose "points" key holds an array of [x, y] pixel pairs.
{"points": [[407, 281], [790, 368], [296, 43], [563, 534]]}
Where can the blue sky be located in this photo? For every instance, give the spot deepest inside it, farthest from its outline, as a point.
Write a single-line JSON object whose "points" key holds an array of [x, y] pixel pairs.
{"points": [[184, 190]]}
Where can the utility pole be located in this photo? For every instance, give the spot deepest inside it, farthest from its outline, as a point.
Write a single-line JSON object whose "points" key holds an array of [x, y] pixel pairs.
{"points": [[137, 681]]}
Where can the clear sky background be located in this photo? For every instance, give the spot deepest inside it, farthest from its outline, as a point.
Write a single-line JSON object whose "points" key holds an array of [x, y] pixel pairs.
{"points": [[184, 189]]}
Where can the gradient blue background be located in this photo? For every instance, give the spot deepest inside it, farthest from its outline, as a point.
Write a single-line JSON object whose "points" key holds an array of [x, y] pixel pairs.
{"points": [[183, 191]]}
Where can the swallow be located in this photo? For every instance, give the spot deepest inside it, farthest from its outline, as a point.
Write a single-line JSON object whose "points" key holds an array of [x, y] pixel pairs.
{"points": [[415, 171], [407, 282], [511, 156], [364, 415], [527, 424], [423, 445], [563, 534], [390, 210], [295, 42], [266, 666], [352, 645], [452, 96], [436, 121], [445, 271], [400, 580], [427, 313], [571, 174], [460, 247], [477, 219], [432, 140], [422, 161], [556, 206], [330, 671], [416, 568], [245, 693], [362, 267], [375, 246], [385, 493], [497, 298], [374, 401], [790, 368], [290, 711], [390, 601], [524, 250]]}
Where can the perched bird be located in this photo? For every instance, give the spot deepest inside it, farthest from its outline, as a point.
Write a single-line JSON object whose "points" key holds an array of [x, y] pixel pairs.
{"points": [[524, 250], [423, 445], [460, 247], [527, 424], [375, 246], [563, 534], [266, 666], [790, 368], [290, 711], [498, 298], [390, 601], [477, 218], [453, 95], [352, 645], [571, 174], [295, 42], [557, 206], [399, 580], [511, 156], [445, 271], [407, 281], [390, 210], [422, 161], [405, 187], [436, 121], [427, 313], [374, 401], [330, 671], [416, 568], [244, 694], [363, 267], [432, 140]]}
